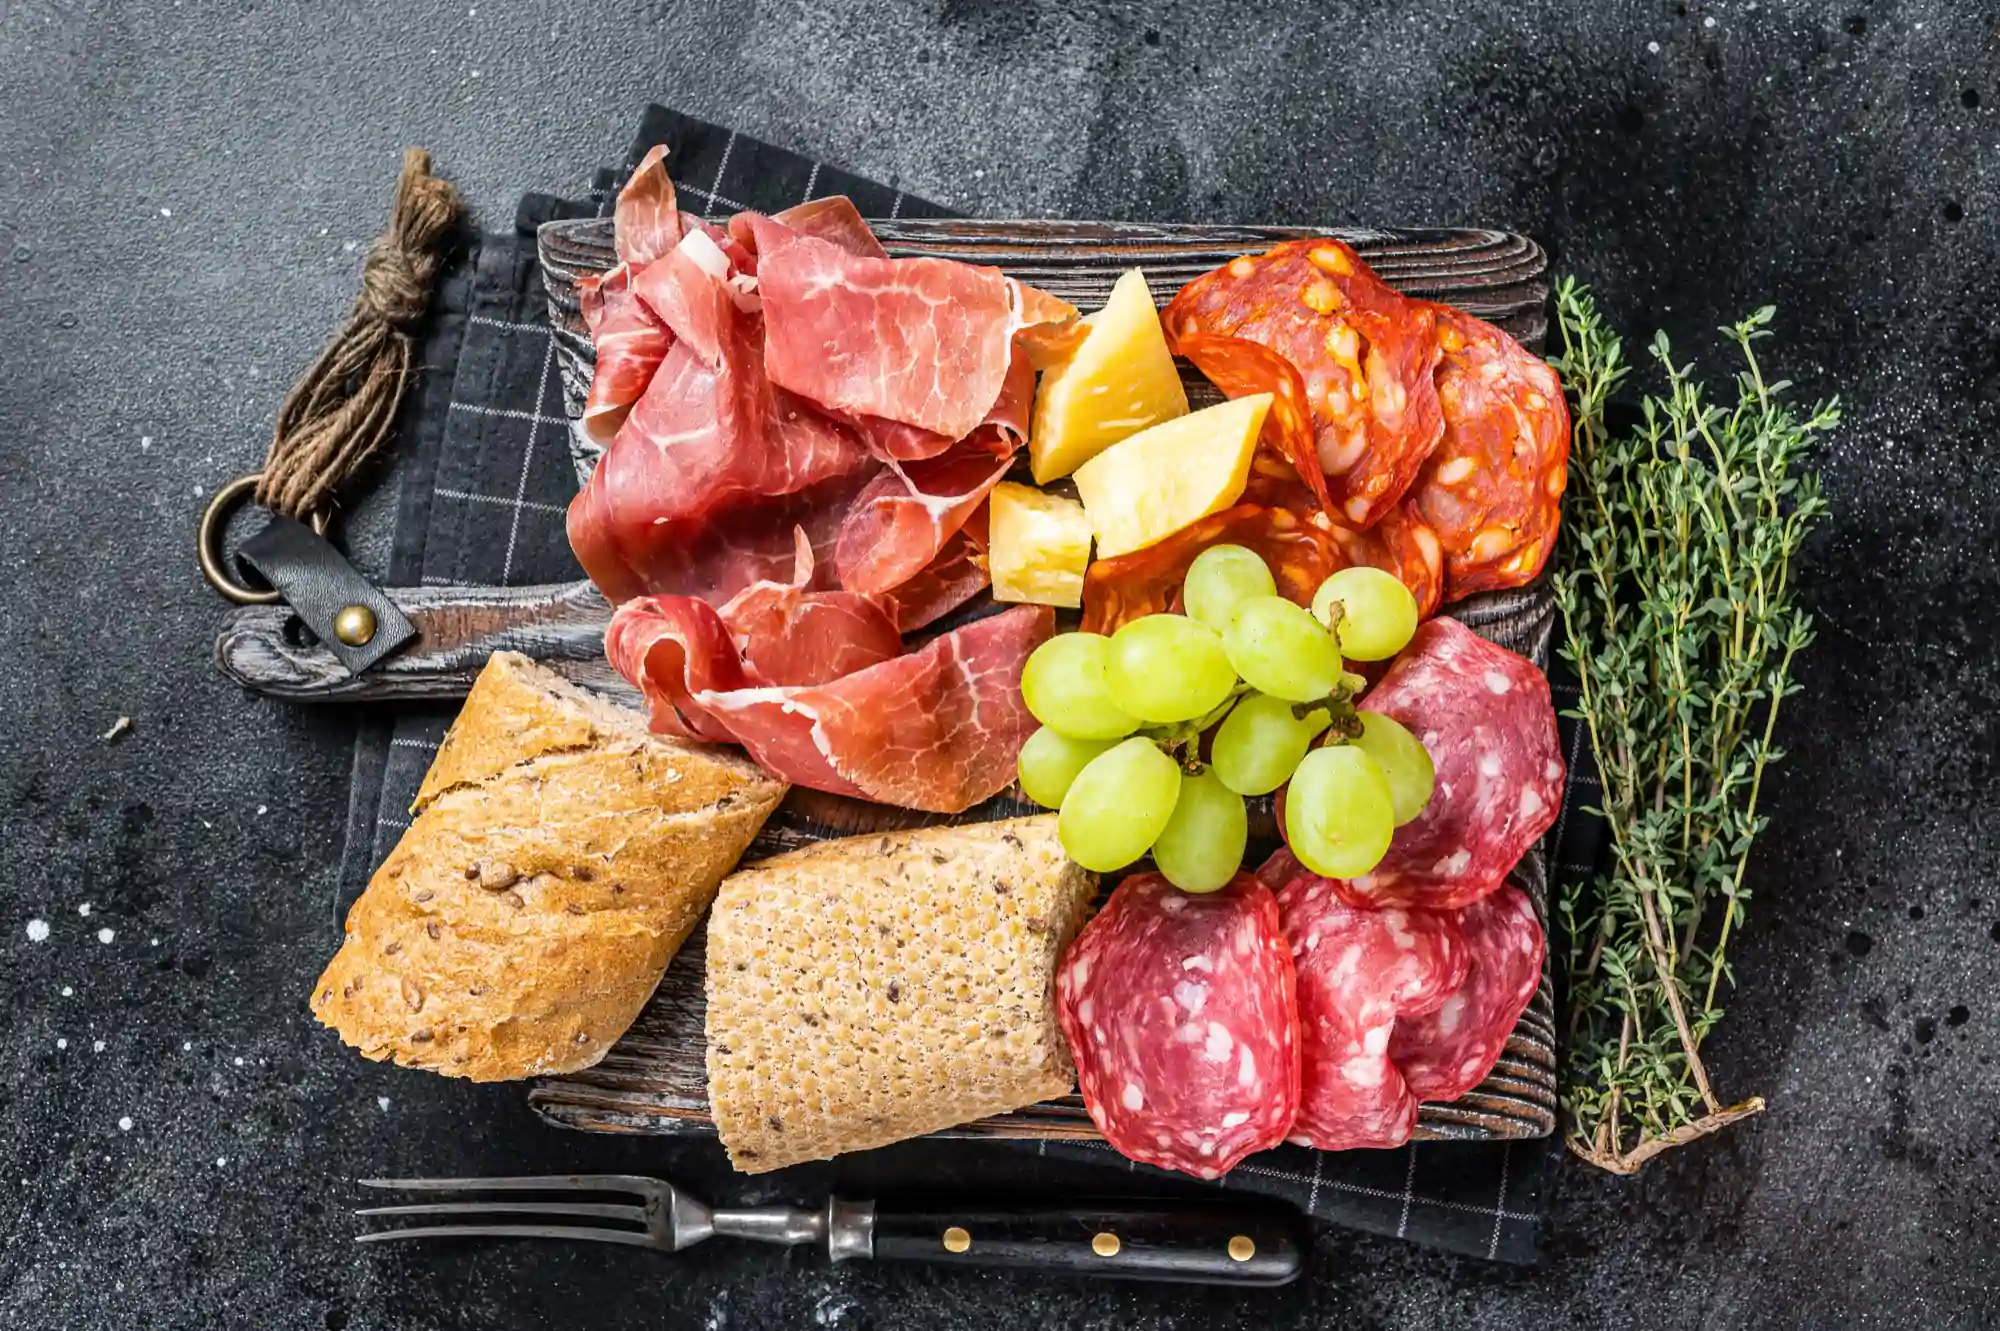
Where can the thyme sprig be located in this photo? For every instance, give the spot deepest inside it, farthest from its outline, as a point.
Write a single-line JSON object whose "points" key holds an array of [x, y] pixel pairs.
{"points": [[1675, 582]]}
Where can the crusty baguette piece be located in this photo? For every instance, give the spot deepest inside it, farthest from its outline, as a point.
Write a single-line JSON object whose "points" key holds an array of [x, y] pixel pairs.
{"points": [[875, 988], [560, 855]]}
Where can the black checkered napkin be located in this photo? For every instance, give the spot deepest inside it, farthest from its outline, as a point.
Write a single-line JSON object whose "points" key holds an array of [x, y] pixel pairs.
{"points": [[484, 476]]}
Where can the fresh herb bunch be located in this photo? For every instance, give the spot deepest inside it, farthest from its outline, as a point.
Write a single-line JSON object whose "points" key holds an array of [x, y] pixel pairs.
{"points": [[1675, 581]]}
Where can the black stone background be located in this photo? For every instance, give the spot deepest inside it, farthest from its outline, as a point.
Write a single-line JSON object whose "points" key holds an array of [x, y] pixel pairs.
{"points": [[184, 191]]}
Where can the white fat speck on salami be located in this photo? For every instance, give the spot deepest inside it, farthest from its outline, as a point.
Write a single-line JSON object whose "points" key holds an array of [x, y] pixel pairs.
{"points": [[1193, 1060], [1372, 969], [1445, 1053], [1486, 717]]}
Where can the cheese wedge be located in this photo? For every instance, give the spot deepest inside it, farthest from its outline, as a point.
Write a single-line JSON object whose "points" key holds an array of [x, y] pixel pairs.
{"points": [[1040, 546], [1120, 380], [1148, 487]]}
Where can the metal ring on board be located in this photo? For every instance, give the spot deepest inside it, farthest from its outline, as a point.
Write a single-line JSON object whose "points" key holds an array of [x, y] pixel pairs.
{"points": [[208, 543]]}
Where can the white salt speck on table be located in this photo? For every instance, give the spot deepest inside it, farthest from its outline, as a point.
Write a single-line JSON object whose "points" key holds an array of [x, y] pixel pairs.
{"points": [[97, 1046], [239, 1060], [145, 442], [166, 212], [1653, 47], [83, 909], [125, 1124], [263, 809], [61, 1043], [382, 1103], [68, 991], [38, 931], [106, 935], [1708, 22], [186, 1046], [152, 942], [221, 1160]]}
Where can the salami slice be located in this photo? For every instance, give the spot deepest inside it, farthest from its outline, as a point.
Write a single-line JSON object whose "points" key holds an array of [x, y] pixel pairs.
{"points": [[1299, 548], [1359, 973], [1445, 1053], [1492, 490], [1365, 352], [1181, 1015], [1486, 717]]}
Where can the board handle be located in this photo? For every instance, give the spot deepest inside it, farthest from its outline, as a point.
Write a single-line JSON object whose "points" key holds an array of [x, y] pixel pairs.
{"points": [[266, 648], [1190, 1243]]}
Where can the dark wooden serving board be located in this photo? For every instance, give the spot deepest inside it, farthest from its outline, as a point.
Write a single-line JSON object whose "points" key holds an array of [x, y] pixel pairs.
{"points": [[654, 1080]]}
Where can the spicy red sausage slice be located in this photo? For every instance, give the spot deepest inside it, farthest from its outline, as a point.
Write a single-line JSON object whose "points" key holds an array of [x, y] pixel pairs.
{"points": [[1492, 489], [1182, 1018], [1365, 351]]}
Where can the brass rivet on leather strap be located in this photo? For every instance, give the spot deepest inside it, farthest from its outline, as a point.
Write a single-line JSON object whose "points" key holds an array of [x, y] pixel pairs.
{"points": [[956, 1240], [208, 542], [354, 625], [1106, 1244], [1242, 1248]]}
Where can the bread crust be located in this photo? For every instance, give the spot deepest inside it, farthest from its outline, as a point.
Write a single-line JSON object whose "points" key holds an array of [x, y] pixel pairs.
{"points": [[560, 856], [880, 987]]}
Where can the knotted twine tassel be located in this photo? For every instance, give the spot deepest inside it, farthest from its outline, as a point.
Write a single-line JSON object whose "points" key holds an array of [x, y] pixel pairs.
{"points": [[343, 408]]}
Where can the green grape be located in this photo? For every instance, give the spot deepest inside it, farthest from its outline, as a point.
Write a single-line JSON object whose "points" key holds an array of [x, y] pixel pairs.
{"points": [[1063, 685], [1221, 578], [1118, 805], [1404, 761], [1260, 742], [1339, 814], [1202, 846], [1166, 668], [1378, 614], [1050, 761], [1280, 649]]}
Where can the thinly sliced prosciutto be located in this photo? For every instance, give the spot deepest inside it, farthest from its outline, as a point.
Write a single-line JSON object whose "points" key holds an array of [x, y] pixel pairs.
{"points": [[927, 342], [937, 729], [631, 342]]}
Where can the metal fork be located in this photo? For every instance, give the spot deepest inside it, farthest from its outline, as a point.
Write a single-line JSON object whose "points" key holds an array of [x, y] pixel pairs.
{"points": [[1235, 1243]]}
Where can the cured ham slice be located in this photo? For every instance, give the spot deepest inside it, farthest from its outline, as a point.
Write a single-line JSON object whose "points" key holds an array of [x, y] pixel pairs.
{"points": [[1359, 971], [937, 729], [926, 342], [833, 219], [1485, 715], [955, 576], [1301, 551], [1181, 1016], [631, 342], [1492, 490], [902, 520], [1365, 352], [646, 221], [789, 635], [1448, 1051], [703, 486]]}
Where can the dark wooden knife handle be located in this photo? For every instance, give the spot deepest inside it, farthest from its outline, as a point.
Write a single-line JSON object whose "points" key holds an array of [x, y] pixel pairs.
{"points": [[264, 647], [1138, 1239]]}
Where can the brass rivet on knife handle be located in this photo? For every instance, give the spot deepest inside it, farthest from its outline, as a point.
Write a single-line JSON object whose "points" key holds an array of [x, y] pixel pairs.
{"points": [[956, 1240], [1242, 1248], [354, 625], [208, 542], [1106, 1244]]}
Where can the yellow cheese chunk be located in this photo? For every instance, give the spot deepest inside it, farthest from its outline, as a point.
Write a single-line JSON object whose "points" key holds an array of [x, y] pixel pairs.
{"points": [[1040, 545], [1148, 487], [1120, 380]]}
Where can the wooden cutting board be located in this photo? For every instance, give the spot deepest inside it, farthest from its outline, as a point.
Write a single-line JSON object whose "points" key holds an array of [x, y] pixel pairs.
{"points": [[654, 1080]]}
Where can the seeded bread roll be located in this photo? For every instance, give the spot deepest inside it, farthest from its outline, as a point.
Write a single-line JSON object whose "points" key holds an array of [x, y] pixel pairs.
{"points": [[875, 988], [560, 855]]}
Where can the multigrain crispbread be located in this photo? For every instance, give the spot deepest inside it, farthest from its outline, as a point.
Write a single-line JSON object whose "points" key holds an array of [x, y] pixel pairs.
{"points": [[876, 988], [560, 856]]}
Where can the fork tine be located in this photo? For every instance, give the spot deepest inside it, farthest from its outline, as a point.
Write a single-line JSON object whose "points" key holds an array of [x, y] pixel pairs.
{"points": [[594, 1210], [524, 1183], [632, 1237]]}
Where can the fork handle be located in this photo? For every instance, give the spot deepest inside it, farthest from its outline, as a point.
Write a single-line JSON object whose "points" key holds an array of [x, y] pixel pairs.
{"points": [[1198, 1243]]}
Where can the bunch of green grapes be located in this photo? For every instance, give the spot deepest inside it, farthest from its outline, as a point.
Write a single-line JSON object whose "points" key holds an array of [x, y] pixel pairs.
{"points": [[1122, 717]]}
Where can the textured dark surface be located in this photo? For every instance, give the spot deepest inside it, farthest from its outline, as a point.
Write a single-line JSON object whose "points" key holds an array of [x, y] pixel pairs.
{"points": [[183, 193]]}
